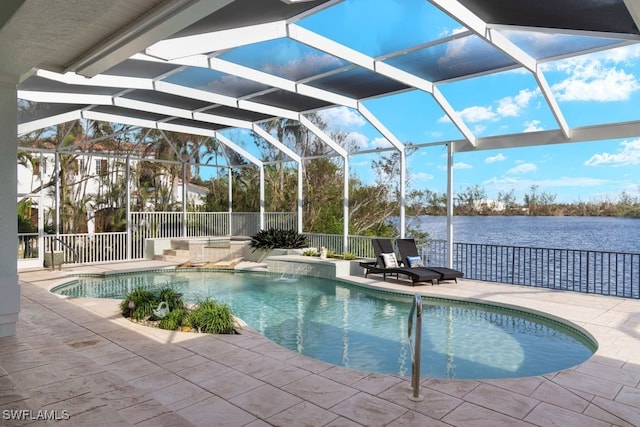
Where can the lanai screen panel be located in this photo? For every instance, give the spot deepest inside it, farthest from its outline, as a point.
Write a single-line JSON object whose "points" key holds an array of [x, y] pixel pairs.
{"points": [[215, 82], [584, 15]]}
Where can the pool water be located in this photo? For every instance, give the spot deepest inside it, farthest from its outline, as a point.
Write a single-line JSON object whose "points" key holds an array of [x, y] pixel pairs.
{"points": [[366, 329]]}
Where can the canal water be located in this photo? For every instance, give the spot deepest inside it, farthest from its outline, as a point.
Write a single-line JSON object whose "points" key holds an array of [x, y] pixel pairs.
{"points": [[561, 232]]}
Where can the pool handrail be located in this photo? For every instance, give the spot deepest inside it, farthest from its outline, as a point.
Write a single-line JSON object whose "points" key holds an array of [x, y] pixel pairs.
{"points": [[415, 348]]}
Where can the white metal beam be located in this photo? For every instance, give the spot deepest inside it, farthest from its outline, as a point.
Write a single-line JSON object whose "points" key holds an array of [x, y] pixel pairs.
{"points": [[117, 118], [460, 13], [222, 120], [103, 80], [324, 44], [64, 97], [320, 134], [273, 141], [454, 116], [179, 47], [380, 127], [403, 159], [555, 136], [34, 125], [235, 147], [134, 104], [552, 103]]}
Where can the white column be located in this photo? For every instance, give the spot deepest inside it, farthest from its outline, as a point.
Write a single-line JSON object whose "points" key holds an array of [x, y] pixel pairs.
{"points": [[56, 171], [450, 205], [230, 202], [403, 192], [127, 180], [261, 197], [9, 285], [345, 207], [185, 194], [300, 196]]}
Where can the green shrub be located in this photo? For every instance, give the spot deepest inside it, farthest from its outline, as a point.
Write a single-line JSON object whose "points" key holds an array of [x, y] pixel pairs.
{"points": [[208, 316], [211, 317], [139, 304], [174, 320], [349, 256], [277, 238], [310, 252], [171, 297]]}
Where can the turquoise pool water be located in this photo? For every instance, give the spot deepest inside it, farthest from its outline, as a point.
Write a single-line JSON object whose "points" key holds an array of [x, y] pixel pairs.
{"points": [[365, 329]]}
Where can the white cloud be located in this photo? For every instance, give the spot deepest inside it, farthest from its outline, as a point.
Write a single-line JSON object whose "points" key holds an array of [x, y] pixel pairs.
{"points": [[340, 118], [502, 183], [380, 142], [621, 54], [477, 114], [461, 165], [303, 66], [512, 106], [522, 168], [532, 126], [497, 158], [421, 176], [357, 140], [629, 154], [477, 129], [594, 79], [444, 119]]}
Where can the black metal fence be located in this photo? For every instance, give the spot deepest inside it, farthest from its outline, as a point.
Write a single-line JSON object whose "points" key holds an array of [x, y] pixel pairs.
{"points": [[598, 272]]}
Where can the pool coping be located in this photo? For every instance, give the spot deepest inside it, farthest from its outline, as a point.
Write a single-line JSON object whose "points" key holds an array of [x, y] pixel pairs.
{"points": [[604, 390]]}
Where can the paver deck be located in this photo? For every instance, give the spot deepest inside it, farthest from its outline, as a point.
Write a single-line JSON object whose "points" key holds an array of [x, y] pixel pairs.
{"points": [[79, 361]]}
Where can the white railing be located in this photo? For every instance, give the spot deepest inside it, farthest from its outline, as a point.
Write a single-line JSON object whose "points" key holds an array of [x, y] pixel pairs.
{"points": [[88, 248], [208, 224], [281, 220], [359, 246], [107, 247]]}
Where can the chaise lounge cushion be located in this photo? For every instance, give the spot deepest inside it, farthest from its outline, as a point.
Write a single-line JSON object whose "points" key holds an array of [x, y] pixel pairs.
{"points": [[414, 261], [389, 260]]}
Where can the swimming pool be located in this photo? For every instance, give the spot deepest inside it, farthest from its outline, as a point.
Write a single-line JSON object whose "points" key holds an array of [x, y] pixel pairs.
{"points": [[366, 329]]}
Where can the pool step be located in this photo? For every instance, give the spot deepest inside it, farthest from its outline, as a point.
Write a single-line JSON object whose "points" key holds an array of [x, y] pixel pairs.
{"points": [[227, 263], [173, 255]]}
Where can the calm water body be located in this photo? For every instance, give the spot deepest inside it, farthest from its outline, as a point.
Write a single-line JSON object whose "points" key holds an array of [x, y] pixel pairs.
{"points": [[557, 232], [364, 329]]}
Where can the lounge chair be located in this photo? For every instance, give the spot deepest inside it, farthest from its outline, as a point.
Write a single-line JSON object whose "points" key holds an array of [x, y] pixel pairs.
{"points": [[386, 264], [409, 253]]}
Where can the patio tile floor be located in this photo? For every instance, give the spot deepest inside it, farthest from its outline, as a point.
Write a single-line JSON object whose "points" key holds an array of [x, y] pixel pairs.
{"points": [[80, 357]]}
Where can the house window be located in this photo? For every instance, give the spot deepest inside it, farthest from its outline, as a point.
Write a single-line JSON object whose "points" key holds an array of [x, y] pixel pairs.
{"points": [[101, 167]]}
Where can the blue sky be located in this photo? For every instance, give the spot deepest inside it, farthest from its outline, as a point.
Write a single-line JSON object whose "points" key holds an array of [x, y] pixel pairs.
{"points": [[591, 89]]}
